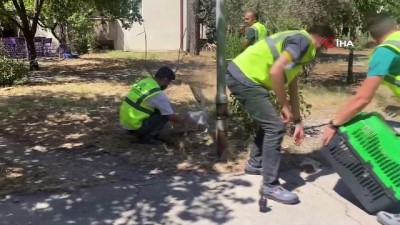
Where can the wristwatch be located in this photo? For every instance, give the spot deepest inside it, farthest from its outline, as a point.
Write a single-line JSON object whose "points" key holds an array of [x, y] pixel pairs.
{"points": [[333, 126]]}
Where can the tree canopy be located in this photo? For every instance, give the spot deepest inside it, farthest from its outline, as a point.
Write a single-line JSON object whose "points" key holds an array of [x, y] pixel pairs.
{"points": [[57, 15]]}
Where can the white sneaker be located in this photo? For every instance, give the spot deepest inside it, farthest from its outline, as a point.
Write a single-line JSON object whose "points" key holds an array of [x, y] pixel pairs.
{"points": [[388, 218]]}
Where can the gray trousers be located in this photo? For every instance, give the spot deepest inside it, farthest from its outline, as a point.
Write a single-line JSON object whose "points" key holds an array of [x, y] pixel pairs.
{"points": [[269, 137]]}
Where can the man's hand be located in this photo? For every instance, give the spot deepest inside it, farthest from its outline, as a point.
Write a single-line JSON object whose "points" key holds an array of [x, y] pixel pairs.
{"points": [[177, 119], [286, 114], [328, 134], [298, 135]]}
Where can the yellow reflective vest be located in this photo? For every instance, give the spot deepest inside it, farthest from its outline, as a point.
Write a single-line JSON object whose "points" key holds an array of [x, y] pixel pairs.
{"points": [[134, 109], [261, 31], [392, 80], [257, 60]]}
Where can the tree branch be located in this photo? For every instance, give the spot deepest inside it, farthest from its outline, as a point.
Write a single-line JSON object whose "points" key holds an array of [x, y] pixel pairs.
{"points": [[4, 12], [20, 7], [16, 5], [41, 23], [38, 9]]}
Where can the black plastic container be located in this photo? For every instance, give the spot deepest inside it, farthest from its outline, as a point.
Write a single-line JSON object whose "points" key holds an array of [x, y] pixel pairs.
{"points": [[358, 175]]}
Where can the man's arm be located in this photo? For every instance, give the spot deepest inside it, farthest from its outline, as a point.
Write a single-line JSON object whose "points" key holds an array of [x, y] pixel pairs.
{"points": [[278, 78], [249, 38], [162, 103], [175, 118], [359, 101], [294, 99], [294, 49], [379, 66]]}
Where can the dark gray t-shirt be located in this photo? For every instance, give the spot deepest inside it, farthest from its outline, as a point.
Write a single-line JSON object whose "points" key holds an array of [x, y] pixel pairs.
{"points": [[297, 46], [251, 35]]}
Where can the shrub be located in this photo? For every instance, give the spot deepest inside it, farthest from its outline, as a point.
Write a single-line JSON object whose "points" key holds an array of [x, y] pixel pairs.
{"points": [[239, 112], [233, 45], [81, 34], [11, 71], [307, 71]]}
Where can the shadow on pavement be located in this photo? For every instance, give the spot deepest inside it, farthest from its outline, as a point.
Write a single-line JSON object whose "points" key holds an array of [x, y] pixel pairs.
{"points": [[177, 200]]}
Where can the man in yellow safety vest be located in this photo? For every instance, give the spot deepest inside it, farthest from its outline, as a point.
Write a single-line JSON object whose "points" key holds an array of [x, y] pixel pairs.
{"points": [[146, 109], [256, 30], [268, 65]]}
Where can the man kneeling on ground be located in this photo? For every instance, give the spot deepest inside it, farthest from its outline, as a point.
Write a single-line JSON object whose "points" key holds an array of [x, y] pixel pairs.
{"points": [[146, 109]]}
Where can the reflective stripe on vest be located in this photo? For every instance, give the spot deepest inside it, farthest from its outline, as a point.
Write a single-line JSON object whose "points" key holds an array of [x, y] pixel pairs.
{"points": [[150, 92], [134, 110], [392, 80], [257, 60], [272, 43], [392, 42], [261, 31], [137, 104]]}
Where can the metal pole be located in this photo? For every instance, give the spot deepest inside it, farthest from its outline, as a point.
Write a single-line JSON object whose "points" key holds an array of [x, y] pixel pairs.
{"points": [[221, 98]]}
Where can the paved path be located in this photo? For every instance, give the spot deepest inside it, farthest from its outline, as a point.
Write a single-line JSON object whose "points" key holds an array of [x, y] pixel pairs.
{"points": [[188, 199]]}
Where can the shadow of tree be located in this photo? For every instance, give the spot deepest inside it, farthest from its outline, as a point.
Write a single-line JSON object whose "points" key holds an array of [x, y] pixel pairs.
{"points": [[335, 82], [106, 69], [178, 200], [69, 140]]}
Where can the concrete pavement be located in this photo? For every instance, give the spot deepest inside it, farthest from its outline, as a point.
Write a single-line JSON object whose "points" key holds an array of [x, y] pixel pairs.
{"points": [[190, 199]]}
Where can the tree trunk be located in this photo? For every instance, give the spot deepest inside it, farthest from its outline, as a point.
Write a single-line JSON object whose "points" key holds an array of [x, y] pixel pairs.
{"points": [[350, 75], [30, 44], [194, 47], [61, 37]]}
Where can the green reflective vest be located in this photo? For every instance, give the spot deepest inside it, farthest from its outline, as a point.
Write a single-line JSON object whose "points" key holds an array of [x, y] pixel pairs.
{"points": [[256, 61], [261, 31], [134, 109], [392, 80]]}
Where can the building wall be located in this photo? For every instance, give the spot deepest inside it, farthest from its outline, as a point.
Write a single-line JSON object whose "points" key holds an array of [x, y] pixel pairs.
{"points": [[161, 23], [162, 26]]}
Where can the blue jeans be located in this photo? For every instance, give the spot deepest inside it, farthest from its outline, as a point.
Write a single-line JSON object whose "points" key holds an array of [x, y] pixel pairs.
{"points": [[269, 137]]}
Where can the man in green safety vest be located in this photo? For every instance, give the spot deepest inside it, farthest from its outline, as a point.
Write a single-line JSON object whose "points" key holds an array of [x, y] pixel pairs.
{"points": [[256, 31], [146, 109], [268, 65], [384, 68]]}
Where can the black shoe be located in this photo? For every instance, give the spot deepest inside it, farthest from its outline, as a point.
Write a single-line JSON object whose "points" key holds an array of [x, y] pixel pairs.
{"points": [[252, 170]]}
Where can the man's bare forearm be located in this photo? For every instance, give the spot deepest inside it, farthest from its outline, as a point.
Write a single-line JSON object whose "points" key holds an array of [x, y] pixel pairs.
{"points": [[245, 43], [278, 86], [175, 118], [294, 99], [278, 80]]}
